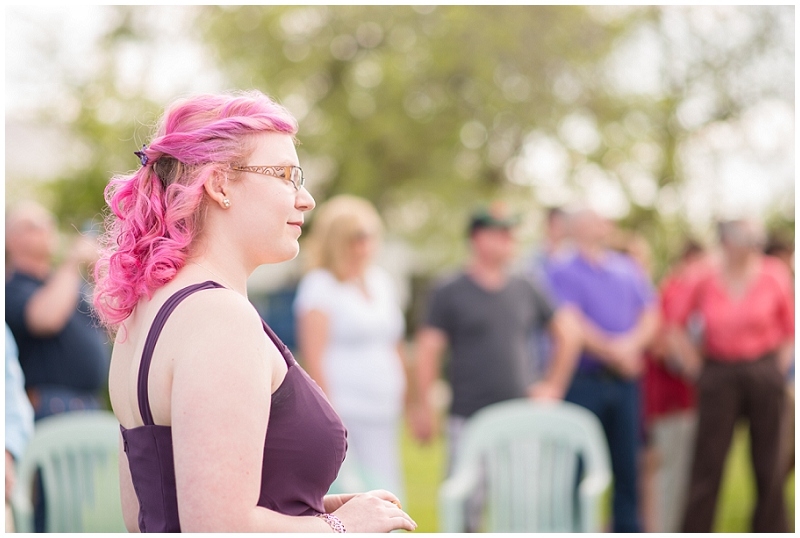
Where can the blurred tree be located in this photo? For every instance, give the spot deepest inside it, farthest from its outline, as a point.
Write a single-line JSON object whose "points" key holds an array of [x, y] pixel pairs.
{"points": [[107, 110], [428, 110], [418, 109], [713, 65]]}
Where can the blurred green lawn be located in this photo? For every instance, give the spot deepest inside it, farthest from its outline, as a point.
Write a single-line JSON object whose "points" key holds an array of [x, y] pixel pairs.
{"points": [[424, 469]]}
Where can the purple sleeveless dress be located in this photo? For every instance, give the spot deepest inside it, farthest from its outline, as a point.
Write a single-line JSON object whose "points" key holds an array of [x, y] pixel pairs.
{"points": [[304, 448]]}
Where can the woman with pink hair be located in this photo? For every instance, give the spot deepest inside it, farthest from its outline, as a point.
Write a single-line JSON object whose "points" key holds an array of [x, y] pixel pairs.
{"points": [[221, 430]]}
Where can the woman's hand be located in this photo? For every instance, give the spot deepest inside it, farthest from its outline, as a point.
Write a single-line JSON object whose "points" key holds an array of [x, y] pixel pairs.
{"points": [[374, 511], [331, 503]]}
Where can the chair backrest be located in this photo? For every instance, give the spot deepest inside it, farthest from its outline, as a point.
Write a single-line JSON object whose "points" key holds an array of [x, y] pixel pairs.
{"points": [[77, 456], [353, 478], [544, 467]]}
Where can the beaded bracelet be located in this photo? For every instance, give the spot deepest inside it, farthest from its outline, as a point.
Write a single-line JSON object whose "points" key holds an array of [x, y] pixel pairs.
{"points": [[335, 523]]}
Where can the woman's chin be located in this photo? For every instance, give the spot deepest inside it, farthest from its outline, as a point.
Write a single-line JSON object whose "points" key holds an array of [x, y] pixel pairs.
{"points": [[285, 255]]}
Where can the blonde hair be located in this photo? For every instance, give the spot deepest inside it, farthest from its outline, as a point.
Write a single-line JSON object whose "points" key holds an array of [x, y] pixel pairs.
{"points": [[337, 222]]}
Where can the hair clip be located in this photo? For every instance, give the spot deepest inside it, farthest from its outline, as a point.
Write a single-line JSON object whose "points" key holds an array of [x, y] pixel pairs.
{"points": [[142, 156]]}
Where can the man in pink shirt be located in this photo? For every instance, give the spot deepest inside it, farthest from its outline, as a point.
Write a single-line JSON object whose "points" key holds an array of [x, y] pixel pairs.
{"points": [[746, 304]]}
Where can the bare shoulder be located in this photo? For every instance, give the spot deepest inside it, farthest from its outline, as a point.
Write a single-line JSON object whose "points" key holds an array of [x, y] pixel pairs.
{"points": [[218, 312], [213, 327]]}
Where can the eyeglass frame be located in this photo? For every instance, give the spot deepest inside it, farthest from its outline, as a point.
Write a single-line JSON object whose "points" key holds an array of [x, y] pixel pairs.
{"points": [[288, 173]]}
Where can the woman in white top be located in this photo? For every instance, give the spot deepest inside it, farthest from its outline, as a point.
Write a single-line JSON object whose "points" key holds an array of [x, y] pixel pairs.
{"points": [[350, 334]]}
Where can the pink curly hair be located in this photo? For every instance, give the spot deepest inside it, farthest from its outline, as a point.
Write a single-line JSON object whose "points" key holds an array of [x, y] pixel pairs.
{"points": [[156, 212]]}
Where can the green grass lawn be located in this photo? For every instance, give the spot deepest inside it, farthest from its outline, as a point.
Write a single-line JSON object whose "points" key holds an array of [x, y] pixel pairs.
{"points": [[424, 469]]}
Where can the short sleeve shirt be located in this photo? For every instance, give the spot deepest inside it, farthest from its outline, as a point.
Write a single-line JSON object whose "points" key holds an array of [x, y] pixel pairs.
{"points": [[489, 334], [362, 367], [77, 357], [746, 327], [612, 294]]}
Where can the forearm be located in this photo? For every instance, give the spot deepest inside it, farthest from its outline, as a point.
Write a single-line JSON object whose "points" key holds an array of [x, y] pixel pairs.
{"points": [[313, 340], [426, 370], [331, 503], [786, 356], [51, 307], [683, 351], [313, 363], [646, 328], [596, 341], [565, 330], [363, 512], [256, 519], [10, 475], [428, 346], [402, 355]]}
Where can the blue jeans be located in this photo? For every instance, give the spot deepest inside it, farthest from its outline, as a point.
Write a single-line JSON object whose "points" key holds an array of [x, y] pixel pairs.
{"points": [[616, 404]]}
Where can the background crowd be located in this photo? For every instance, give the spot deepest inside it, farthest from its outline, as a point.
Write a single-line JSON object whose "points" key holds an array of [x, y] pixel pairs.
{"points": [[668, 367], [667, 119]]}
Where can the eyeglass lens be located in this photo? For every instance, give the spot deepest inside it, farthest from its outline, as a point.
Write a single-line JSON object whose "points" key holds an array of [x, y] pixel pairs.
{"points": [[296, 176]]}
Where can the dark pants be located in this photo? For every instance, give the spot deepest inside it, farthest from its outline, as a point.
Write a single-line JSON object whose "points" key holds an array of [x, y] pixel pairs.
{"points": [[726, 392], [616, 404]]}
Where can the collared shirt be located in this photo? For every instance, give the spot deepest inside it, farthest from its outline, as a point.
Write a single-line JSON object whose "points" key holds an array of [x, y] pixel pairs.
{"points": [[612, 293], [745, 327]]}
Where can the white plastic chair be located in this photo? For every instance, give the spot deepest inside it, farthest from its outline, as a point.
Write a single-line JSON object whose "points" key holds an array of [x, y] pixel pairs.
{"points": [[77, 455], [527, 456], [353, 478]]}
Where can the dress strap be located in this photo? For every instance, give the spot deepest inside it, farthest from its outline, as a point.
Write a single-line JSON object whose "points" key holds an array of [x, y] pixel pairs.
{"points": [[152, 337], [283, 348]]}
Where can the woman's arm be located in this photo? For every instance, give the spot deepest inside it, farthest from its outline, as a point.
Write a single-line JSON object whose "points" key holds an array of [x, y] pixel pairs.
{"points": [[402, 355], [220, 401], [313, 329], [221, 389], [334, 502], [687, 355]]}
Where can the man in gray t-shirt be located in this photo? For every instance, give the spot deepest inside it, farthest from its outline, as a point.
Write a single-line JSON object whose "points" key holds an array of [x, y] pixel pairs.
{"points": [[488, 332], [486, 316]]}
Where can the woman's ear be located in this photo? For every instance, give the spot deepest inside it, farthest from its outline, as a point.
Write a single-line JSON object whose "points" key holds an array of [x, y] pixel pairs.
{"points": [[217, 188]]}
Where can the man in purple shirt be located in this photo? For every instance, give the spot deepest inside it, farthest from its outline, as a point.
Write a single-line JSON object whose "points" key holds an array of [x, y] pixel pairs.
{"points": [[617, 303]]}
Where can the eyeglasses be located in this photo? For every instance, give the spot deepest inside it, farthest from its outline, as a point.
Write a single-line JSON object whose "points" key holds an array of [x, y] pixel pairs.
{"points": [[288, 173]]}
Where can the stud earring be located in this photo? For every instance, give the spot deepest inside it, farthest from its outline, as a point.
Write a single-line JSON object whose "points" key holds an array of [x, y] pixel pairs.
{"points": [[226, 203]]}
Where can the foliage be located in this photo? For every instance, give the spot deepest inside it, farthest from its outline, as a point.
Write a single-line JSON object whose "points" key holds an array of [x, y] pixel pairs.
{"points": [[429, 110], [107, 115], [417, 109]]}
